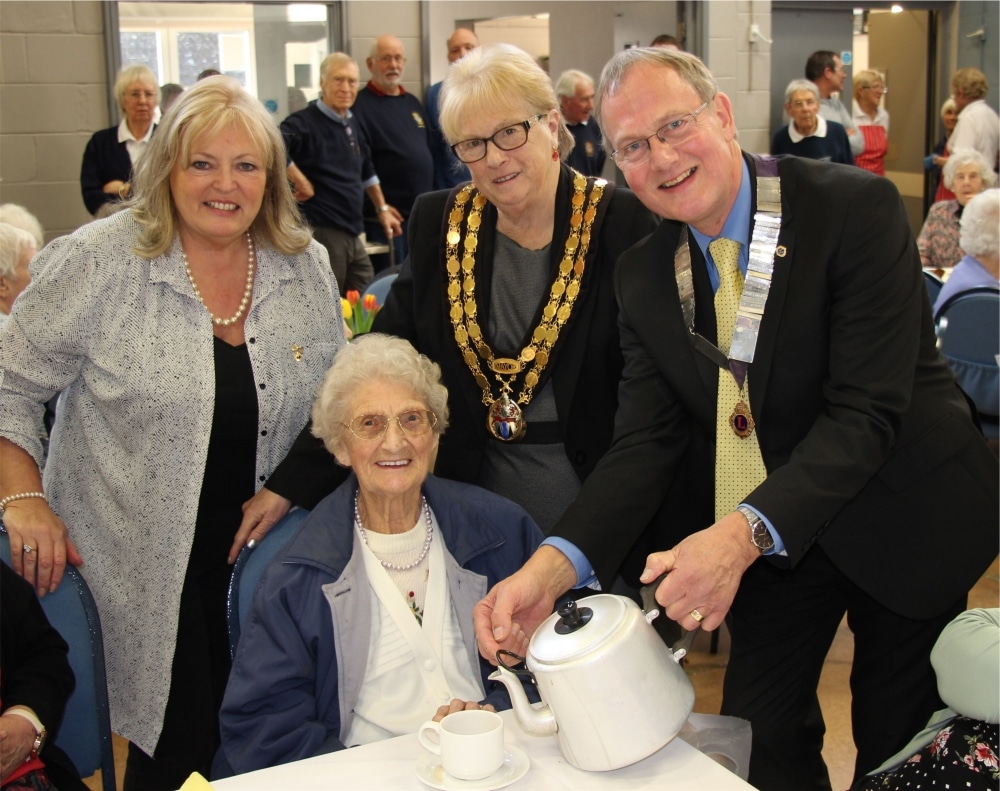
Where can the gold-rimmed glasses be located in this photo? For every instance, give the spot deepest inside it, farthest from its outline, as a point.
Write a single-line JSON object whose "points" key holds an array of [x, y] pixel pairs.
{"points": [[412, 421]]}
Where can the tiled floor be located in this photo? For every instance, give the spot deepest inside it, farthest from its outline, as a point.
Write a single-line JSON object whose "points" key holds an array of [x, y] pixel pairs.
{"points": [[706, 671]]}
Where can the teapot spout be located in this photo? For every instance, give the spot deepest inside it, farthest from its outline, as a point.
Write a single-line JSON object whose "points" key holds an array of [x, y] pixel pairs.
{"points": [[538, 721]]}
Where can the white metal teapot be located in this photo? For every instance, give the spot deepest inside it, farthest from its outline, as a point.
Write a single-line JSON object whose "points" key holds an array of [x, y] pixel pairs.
{"points": [[613, 692]]}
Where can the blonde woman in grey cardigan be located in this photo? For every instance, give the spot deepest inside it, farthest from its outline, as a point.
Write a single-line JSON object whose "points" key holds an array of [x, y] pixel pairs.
{"points": [[187, 335]]}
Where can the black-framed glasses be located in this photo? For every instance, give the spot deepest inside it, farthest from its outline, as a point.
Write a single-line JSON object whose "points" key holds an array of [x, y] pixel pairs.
{"points": [[413, 421], [673, 132], [507, 139]]}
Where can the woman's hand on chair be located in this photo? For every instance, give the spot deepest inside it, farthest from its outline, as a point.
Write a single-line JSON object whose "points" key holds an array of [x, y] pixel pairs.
{"points": [[40, 544], [260, 513]]}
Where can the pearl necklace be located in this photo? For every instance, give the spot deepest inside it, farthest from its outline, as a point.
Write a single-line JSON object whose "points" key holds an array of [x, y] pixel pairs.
{"points": [[426, 509], [247, 290]]}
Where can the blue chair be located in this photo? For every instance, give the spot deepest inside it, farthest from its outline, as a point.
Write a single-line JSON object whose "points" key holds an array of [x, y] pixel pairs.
{"points": [[381, 283], [968, 336], [85, 734], [250, 564], [934, 285]]}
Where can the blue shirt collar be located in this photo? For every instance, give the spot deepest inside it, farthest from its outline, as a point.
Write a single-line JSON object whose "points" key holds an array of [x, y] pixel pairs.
{"points": [[737, 228], [329, 112]]}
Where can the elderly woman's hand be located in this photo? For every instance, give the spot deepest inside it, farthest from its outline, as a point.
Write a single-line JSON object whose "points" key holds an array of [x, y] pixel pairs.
{"points": [[459, 705], [39, 543], [17, 737], [260, 513]]}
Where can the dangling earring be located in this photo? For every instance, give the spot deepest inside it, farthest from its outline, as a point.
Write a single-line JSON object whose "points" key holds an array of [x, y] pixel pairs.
{"points": [[555, 154]]}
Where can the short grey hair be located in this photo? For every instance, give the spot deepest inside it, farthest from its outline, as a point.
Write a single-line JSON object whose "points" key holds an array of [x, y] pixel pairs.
{"points": [[13, 242], [800, 85], [689, 67], [980, 224], [136, 72], [569, 79], [19, 216], [374, 357], [334, 59], [961, 157], [495, 77]]}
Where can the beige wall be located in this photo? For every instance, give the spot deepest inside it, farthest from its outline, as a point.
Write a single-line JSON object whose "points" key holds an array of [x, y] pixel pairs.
{"points": [[54, 82], [53, 96], [742, 69]]}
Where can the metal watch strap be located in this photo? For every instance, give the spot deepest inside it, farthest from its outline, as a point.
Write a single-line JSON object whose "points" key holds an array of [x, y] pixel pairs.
{"points": [[760, 536], [39, 742]]}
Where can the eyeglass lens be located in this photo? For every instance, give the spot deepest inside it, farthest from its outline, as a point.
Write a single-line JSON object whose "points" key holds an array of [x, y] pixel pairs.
{"points": [[507, 139], [414, 421]]}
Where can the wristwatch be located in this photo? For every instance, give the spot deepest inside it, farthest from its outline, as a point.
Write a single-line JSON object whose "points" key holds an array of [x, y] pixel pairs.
{"points": [[40, 737], [760, 536], [384, 207]]}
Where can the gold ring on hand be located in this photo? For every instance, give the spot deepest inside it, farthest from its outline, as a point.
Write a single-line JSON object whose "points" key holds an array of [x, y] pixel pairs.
{"points": [[697, 616]]}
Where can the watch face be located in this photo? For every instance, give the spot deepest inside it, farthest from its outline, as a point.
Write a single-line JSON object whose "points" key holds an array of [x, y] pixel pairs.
{"points": [[762, 537]]}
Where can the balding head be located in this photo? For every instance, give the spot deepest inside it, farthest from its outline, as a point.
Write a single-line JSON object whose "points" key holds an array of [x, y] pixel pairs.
{"points": [[386, 62], [461, 42]]}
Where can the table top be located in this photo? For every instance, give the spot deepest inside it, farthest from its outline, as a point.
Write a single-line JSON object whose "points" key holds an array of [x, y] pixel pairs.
{"points": [[390, 765]]}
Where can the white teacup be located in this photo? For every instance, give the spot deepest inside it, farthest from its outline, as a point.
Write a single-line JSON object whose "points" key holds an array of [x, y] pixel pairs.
{"points": [[470, 743]]}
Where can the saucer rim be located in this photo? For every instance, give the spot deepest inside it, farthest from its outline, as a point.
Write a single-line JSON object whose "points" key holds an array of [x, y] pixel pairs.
{"points": [[522, 763]]}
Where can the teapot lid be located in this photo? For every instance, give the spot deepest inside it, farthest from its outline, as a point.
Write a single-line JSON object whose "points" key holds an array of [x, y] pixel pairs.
{"points": [[578, 628]]}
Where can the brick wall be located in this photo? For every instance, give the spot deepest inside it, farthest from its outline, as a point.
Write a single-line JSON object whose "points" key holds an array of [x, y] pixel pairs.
{"points": [[53, 96]]}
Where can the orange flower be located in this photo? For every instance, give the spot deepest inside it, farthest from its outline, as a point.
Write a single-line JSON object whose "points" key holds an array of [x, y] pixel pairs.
{"points": [[370, 303], [352, 297]]}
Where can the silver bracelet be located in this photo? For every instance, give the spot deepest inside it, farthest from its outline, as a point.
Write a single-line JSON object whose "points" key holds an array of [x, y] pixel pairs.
{"points": [[22, 496]]}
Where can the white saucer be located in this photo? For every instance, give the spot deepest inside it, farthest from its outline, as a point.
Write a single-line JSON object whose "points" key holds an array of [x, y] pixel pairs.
{"points": [[515, 765]]}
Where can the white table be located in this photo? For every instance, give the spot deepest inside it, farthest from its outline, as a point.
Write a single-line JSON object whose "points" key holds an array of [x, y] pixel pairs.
{"points": [[390, 766]]}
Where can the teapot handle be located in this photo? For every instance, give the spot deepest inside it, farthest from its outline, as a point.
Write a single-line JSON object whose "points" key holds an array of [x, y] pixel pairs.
{"points": [[651, 607]]}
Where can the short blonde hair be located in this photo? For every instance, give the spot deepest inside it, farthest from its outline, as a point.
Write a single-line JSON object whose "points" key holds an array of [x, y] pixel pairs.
{"points": [[865, 79], [689, 68], [971, 82], [961, 157], [206, 108], [497, 76], [374, 357], [136, 72]]}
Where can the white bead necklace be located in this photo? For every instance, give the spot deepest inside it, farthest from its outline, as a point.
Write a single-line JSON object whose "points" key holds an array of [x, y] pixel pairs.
{"points": [[247, 290], [426, 510]]}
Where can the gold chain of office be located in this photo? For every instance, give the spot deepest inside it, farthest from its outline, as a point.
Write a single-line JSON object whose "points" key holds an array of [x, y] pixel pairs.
{"points": [[505, 419]]}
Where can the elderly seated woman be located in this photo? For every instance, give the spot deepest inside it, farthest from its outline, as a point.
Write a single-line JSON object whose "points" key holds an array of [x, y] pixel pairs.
{"points": [[966, 173], [361, 628]]}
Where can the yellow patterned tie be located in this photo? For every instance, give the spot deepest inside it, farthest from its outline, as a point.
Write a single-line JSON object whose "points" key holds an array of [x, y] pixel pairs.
{"points": [[739, 468]]}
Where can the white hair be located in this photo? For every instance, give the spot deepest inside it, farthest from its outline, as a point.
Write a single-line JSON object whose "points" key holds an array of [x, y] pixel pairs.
{"points": [[981, 225], [20, 217], [800, 85], [13, 242], [961, 157]]}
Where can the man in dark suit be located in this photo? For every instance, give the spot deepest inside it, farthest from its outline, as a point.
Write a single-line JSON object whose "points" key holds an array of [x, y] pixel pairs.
{"points": [[875, 495]]}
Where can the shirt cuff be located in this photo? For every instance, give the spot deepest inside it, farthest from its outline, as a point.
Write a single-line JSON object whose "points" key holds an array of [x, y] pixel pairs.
{"points": [[28, 714], [585, 576], [779, 545]]}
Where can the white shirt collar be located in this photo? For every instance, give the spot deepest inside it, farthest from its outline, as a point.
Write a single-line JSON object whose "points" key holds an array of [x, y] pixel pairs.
{"points": [[797, 137]]}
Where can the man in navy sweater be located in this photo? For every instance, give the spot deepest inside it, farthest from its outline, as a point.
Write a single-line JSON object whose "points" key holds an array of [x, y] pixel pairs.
{"points": [[393, 121], [810, 135], [331, 169]]}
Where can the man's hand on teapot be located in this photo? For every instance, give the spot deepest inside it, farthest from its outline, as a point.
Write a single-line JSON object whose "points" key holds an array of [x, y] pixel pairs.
{"points": [[460, 705], [514, 608], [705, 572]]}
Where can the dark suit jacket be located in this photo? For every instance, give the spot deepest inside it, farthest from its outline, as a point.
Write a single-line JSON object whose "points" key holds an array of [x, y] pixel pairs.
{"points": [[869, 444], [34, 670], [104, 160], [588, 360]]}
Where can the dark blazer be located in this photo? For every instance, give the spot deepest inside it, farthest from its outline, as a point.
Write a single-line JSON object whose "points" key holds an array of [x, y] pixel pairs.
{"points": [[869, 444], [104, 160], [588, 360], [34, 670]]}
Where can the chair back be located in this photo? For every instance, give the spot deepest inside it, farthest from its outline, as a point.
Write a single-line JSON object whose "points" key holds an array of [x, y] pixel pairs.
{"points": [[249, 567], [381, 283], [968, 336], [934, 285], [85, 733]]}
